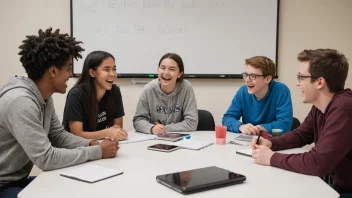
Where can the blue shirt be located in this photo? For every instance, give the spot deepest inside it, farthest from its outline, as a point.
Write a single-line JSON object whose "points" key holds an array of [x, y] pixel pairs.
{"points": [[274, 111]]}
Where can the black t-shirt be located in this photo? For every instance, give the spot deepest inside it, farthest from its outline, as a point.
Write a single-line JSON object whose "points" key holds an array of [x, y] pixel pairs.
{"points": [[76, 109]]}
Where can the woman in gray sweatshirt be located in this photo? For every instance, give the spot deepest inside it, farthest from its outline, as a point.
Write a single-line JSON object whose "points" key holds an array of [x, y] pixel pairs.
{"points": [[167, 103]]}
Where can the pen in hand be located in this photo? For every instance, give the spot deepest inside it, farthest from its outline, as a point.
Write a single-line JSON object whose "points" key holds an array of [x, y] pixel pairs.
{"points": [[260, 134], [160, 129]]}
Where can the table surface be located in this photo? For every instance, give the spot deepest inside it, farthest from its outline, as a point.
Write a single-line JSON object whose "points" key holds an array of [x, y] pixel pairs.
{"points": [[141, 166]]}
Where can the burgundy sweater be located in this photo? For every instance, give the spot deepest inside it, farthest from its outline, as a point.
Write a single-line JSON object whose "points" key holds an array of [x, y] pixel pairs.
{"points": [[331, 132]]}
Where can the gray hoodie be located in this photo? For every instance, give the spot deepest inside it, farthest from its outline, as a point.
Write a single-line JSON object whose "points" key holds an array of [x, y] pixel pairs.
{"points": [[177, 110], [30, 132]]}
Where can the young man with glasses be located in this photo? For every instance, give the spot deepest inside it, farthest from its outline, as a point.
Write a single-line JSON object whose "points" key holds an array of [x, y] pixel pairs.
{"points": [[262, 102], [321, 79]]}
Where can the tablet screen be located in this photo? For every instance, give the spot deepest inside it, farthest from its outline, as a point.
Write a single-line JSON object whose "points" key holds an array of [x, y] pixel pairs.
{"points": [[163, 146], [172, 135], [201, 178]]}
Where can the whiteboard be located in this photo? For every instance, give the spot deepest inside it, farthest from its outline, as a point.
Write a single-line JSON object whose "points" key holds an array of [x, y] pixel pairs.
{"points": [[213, 37]]}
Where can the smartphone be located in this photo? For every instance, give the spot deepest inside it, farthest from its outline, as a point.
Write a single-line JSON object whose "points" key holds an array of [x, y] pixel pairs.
{"points": [[163, 147]]}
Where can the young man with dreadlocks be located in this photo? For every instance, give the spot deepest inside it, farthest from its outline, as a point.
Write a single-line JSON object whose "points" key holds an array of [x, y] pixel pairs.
{"points": [[30, 131]]}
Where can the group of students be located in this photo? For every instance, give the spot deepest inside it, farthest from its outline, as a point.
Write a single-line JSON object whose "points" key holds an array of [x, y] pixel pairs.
{"points": [[31, 133], [94, 107]]}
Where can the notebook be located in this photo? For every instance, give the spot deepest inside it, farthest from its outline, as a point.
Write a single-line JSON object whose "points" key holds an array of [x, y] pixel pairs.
{"points": [[245, 152], [91, 173], [240, 143], [192, 144], [137, 137], [248, 152], [246, 138]]}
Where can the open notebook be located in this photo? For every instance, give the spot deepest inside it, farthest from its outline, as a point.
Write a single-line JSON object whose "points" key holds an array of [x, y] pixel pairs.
{"points": [[245, 138], [137, 137], [91, 173], [192, 144], [248, 152]]}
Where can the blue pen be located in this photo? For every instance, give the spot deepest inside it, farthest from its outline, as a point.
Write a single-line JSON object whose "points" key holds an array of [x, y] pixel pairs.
{"points": [[187, 137]]}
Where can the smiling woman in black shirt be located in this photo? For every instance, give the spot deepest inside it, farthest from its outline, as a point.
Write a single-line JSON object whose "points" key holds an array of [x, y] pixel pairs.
{"points": [[94, 108]]}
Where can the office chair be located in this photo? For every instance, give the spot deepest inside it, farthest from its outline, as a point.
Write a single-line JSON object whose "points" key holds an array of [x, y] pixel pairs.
{"points": [[206, 121], [295, 123]]}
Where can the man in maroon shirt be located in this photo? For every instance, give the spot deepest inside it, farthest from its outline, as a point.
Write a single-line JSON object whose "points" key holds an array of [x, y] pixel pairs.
{"points": [[321, 79]]}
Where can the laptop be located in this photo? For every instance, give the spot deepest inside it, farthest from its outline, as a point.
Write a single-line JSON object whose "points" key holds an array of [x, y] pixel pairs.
{"points": [[202, 179]]}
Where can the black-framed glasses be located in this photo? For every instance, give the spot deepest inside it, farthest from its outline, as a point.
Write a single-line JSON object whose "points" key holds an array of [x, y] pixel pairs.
{"points": [[251, 76], [300, 77]]}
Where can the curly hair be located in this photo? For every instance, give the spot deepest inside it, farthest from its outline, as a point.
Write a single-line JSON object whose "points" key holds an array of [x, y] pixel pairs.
{"points": [[38, 53]]}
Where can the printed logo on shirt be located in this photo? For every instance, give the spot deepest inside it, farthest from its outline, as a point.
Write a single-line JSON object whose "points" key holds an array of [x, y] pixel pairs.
{"points": [[101, 117], [164, 110]]}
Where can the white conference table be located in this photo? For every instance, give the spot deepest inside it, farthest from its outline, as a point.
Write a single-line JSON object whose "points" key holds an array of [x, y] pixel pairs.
{"points": [[141, 166]]}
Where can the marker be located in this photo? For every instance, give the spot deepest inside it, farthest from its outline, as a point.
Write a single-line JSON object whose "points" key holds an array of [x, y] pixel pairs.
{"points": [[151, 75], [159, 121], [260, 134], [187, 137]]}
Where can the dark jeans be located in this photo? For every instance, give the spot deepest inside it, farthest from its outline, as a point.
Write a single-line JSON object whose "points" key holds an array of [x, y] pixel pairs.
{"points": [[12, 189], [343, 194]]}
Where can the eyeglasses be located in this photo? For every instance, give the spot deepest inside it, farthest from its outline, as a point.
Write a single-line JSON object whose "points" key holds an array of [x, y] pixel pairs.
{"points": [[299, 77], [251, 76]]}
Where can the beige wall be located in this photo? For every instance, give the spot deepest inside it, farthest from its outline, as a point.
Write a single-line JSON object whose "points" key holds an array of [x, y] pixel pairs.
{"points": [[303, 24]]}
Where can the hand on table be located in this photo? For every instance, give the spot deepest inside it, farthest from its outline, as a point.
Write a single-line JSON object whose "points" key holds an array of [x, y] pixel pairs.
{"points": [[109, 147], [249, 129]]}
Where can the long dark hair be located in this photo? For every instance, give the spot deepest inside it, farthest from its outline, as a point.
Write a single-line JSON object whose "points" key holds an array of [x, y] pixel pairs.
{"points": [[87, 83]]}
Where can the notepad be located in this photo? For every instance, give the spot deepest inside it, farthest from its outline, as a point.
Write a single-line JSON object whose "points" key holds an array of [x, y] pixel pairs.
{"points": [[248, 152], [192, 144], [91, 173], [246, 138], [245, 152], [240, 143], [137, 137]]}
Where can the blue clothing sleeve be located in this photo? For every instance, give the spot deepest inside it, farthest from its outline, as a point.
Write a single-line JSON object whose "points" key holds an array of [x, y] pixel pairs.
{"points": [[233, 114], [284, 114]]}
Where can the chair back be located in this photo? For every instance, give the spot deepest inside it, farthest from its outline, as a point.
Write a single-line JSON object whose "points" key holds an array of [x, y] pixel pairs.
{"points": [[206, 121], [295, 123]]}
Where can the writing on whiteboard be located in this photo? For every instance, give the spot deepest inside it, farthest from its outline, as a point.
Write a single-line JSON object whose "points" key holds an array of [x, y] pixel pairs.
{"points": [[156, 4], [120, 30]]}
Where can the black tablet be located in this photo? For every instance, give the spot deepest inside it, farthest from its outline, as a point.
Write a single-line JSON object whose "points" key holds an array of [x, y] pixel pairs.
{"points": [[171, 136], [163, 147], [197, 180]]}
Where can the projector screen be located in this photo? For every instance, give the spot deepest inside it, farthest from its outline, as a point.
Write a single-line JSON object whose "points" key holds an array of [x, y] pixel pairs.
{"points": [[213, 37]]}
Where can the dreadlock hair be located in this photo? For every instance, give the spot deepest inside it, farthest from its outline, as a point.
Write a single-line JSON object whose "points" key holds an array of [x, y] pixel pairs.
{"points": [[38, 53]]}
